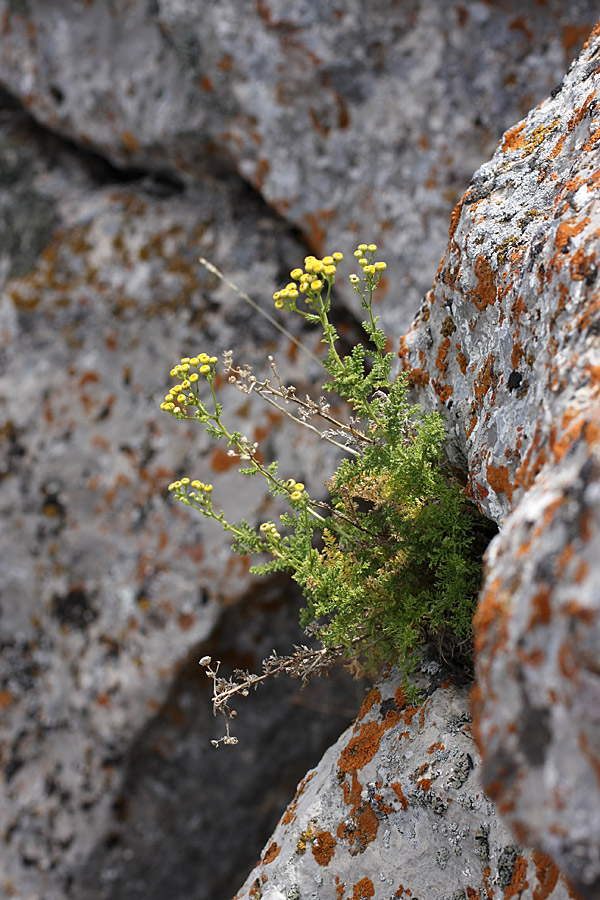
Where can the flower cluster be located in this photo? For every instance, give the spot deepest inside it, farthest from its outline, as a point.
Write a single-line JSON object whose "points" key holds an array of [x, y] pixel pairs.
{"points": [[317, 274], [184, 392], [201, 493], [270, 531], [372, 270], [296, 489]]}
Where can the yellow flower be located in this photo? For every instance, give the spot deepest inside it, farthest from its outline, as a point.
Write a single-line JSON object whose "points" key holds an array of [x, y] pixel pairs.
{"points": [[194, 377], [203, 358], [372, 247], [337, 256], [181, 398], [276, 295], [194, 361], [279, 304], [293, 295], [381, 266], [329, 270], [185, 384], [327, 260], [197, 484], [363, 248], [302, 288], [204, 370], [358, 253], [316, 285], [369, 270], [174, 372], [185, 480], [296, 274], [363, 262], [185, 359], [213, 360], [317, 266], [208, 488], [296, 495], [299, 486], [354, 279]]}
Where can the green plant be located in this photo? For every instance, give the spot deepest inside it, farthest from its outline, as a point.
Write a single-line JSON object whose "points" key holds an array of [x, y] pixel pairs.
{"points": [[392, 558]]}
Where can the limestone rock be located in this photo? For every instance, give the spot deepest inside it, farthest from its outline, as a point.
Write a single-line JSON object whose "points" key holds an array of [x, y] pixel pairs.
{"points": [[352, 124], [396, 808], [108, 585], [508, 344]]}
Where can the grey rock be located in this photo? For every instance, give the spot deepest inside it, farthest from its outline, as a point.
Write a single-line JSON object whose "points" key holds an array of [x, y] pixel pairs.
{"points": [[385, 815], [352, 124], [507, 345], [107, 585]]}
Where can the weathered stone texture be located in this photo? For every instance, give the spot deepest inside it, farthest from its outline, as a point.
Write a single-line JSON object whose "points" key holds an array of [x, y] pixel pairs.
{"points": [[352, 123], [507, 343], [106, 584], [396, 809]]}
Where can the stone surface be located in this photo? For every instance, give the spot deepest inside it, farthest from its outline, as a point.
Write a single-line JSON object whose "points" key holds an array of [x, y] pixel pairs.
{"points": [[507, 342], [107, 585], [396, 808], [352, 125]]}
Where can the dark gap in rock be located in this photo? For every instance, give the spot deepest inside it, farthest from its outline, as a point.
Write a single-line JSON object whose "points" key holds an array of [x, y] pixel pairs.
{"points": [[207, 811]]}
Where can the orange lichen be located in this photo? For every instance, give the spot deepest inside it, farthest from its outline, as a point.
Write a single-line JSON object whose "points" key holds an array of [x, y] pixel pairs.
{"points": [[461, 359], [454, 217], [541, 610], [129, 141], [363, 889], [361, 748], [290, 813], [323, 847], [368, 703], [397, 789], [498, 479], [546, 872], [484, 294], [518, 882], [441, 362], [272, 852], [513, 139]]}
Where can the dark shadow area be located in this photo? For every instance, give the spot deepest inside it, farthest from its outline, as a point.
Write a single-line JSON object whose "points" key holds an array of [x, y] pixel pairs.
{"points": [[190, 820]]}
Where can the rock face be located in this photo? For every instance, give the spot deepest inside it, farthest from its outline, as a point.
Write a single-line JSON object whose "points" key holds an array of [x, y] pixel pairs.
{"points": [[107, 586], [396, 808], [508, 344], [348, 124]]}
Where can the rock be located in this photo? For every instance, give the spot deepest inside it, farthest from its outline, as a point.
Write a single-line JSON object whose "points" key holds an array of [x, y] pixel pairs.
{"points": [[396, 808], [107, 585], [351, 125], [507, 344]]}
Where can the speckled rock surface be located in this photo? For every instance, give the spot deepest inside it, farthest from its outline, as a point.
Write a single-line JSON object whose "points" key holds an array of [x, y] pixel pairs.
{"points": [[351, 123], [107, 585], [396, 809], [508, 343]]}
